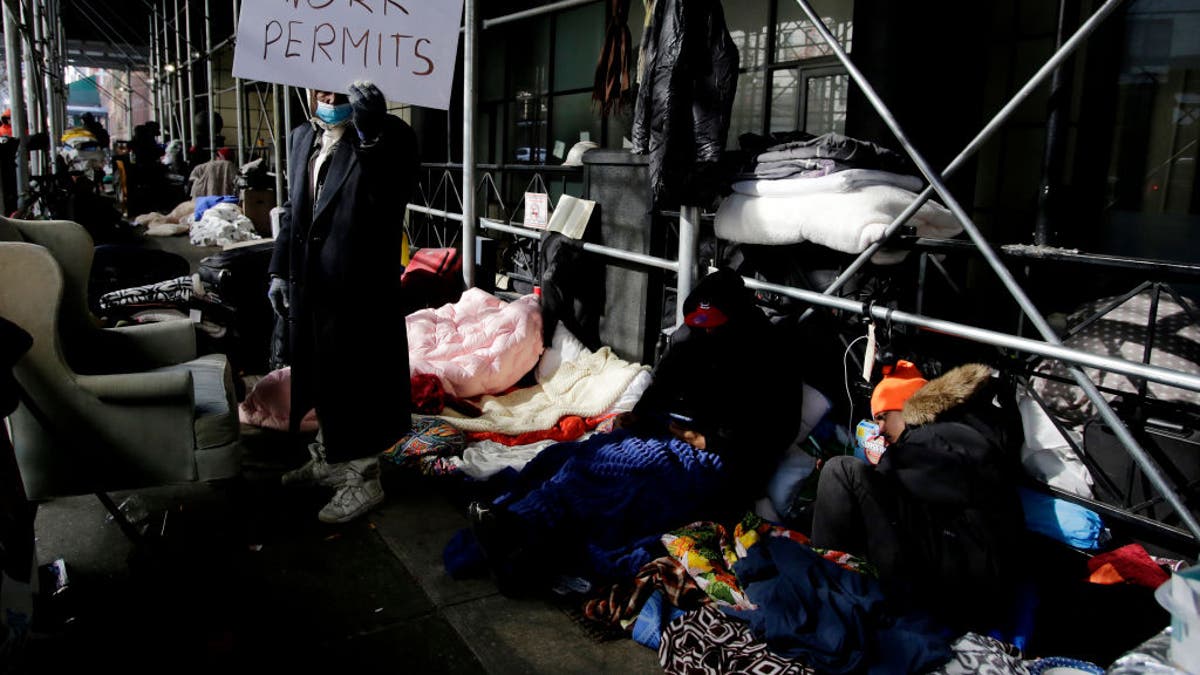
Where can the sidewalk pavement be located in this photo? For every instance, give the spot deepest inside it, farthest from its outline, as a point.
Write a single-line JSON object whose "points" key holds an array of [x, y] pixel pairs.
{"points": [[241, 574]]}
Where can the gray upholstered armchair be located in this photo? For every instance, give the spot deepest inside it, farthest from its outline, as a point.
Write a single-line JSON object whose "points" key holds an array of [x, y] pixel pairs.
{"points": [[105, 409]]}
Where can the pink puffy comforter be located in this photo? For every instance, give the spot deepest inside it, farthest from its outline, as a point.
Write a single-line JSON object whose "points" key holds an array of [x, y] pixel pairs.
{"points": [[478, 345]]}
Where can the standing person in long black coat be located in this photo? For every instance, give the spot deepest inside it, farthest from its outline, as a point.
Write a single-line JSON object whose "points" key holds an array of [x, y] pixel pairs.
{"points": [[336, 277]]}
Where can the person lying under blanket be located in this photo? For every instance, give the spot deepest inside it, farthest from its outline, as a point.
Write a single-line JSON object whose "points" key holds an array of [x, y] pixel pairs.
{"points": [[700, 444]]}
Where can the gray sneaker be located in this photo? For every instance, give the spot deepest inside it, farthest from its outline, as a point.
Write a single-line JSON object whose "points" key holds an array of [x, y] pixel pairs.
{"points": [[315, 471], [359, 492]]}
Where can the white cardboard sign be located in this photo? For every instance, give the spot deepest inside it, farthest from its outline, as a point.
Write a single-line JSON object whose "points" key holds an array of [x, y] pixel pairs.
{"points": [[406, 47], [537, 210]]}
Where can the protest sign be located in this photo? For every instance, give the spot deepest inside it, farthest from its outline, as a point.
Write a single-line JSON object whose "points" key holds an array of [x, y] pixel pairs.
{"points": [[406, 47]]}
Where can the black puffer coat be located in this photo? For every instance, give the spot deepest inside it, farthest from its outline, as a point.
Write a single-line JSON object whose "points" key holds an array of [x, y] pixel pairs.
{"points": [[955, 470], [689, 77]]}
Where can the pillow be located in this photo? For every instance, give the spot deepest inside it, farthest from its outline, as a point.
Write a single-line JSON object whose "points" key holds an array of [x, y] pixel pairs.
{"points": [[564, 347], [430, 438], [797, 463]]}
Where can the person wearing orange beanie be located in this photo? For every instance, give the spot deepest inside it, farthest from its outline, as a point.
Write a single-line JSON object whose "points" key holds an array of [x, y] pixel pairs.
{"points": [[887, 401], [939, 515]]}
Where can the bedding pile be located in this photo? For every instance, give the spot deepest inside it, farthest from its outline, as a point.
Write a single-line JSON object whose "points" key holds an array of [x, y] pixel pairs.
{"points": [[835, 191]]}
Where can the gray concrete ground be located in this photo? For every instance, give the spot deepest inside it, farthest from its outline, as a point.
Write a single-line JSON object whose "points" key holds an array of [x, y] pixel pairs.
{"points": [[241, 574]]}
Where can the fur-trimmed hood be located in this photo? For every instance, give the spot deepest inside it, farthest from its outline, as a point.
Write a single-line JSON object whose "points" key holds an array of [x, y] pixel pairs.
{"points": [[945, 393]]}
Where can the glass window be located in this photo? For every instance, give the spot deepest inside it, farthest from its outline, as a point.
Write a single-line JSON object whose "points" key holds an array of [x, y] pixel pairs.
{"points": [[491, 76], [1153, 166], [580, 39], [798, 39], [747, 107], [573, 120], [825, 103], [785, 100], [528, 55], [527, 129], [747, 23]]}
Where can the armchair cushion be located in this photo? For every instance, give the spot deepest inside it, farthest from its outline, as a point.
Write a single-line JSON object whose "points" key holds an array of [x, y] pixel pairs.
{"points": [[216, 420]]}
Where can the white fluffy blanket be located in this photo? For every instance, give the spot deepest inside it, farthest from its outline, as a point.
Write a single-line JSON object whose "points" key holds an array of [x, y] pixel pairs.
{"points": [[478, 345], [844, 221]]}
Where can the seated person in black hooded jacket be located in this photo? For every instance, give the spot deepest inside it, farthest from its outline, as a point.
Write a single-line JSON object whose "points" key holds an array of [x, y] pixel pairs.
{"points": [[940, 516], [700, 444]]}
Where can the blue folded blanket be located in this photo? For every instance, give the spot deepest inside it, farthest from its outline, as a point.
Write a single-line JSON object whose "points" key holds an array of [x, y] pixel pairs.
{"points": [[1062, 520]]}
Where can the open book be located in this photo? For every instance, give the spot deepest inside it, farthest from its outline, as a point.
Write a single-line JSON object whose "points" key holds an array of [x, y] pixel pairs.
{"points": [[571, 216]]}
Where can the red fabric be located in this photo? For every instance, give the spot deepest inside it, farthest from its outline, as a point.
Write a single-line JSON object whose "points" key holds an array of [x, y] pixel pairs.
{"points": [[428, 397], [568, 428], [444, 262], [1132, 563]]}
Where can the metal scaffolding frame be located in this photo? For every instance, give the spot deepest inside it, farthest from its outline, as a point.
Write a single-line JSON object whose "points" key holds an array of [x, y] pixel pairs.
{"points": [[42, 33], [1050, 346]]}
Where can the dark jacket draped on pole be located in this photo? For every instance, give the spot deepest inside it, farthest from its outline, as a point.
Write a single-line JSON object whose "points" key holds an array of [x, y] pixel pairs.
{"points": [[342, 260], [689, 69]]}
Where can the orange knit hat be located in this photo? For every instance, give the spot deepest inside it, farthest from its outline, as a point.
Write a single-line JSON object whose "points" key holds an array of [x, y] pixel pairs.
{"points": [[898, 384]]}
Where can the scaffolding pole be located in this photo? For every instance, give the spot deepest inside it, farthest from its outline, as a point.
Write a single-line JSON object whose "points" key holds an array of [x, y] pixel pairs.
{"points": [[191, 79], [129, 101], [178, 71], [287, 122], [239, 92], [277, 141], [32, 100], [212, 101], [155, 97], [689, 238], [12, 47], [53, 71], [1147, 464], [470, 63]]}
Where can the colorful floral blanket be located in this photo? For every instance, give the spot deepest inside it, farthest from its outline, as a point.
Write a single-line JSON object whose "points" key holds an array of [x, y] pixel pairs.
{"points": [[708, 553]]}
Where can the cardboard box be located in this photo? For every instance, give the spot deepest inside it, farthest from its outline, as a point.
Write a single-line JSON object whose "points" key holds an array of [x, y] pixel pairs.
{"points": [[257, 205]]}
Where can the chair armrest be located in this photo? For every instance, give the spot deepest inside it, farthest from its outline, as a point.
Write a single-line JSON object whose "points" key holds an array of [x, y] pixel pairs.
{"points": [[153, 345], [165, 386]]}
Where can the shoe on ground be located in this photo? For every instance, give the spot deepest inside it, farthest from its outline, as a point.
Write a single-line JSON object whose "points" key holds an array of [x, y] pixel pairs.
{"points": [[358, 491], [316, 471]]}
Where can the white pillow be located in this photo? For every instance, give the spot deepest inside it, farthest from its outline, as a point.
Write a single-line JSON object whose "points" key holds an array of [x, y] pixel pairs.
{"points": [[564, 347]]}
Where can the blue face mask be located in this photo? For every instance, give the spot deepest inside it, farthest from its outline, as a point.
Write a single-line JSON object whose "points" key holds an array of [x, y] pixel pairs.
{"points": [[333, 114]]}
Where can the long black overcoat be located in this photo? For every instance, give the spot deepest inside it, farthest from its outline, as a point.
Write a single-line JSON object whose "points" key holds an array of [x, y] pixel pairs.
{"points": [[342, 259]]}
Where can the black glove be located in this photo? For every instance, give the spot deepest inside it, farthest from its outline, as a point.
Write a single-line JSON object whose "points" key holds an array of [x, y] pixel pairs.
{"points": [[369, 108]]}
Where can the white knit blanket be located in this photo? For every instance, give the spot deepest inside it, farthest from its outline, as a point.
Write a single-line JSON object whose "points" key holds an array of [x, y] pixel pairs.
{"points": [[844, 221], [587, 386]]}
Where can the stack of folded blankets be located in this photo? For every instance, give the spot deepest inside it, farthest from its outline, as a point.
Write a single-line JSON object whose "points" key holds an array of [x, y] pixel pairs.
{"points": [[832, 190]]}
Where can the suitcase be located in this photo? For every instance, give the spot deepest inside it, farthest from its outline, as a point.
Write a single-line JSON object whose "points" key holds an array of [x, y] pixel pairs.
{"points": [[240, 278], [1171, 436]]}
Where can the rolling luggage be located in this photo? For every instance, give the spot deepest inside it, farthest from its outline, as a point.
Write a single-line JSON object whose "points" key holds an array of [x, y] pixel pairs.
{"points": [[240, 279]]}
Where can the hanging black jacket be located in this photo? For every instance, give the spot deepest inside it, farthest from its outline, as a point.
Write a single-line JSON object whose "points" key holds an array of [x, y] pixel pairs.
{"points": [[689, 70]]}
